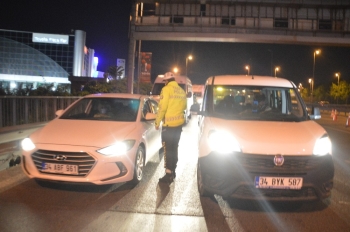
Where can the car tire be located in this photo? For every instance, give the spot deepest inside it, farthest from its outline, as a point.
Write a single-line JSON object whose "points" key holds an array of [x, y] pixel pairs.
{"points": [[202, 191], [139, 165]]}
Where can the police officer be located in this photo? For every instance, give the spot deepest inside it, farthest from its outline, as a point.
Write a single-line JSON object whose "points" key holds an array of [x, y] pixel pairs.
{"points": [[172, 105]]}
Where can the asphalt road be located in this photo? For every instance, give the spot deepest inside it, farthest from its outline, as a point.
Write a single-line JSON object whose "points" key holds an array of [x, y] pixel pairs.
{"points": [[150, 206]]}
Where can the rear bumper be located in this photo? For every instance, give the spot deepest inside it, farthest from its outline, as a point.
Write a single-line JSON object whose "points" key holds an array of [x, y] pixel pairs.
{"points": [[233, 175]]}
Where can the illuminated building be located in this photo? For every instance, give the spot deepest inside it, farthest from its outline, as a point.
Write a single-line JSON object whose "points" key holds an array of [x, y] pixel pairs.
{"points": [[29, 60]]}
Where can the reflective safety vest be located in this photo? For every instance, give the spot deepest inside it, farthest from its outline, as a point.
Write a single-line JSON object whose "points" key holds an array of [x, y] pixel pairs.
{"points": [[172, 105]]}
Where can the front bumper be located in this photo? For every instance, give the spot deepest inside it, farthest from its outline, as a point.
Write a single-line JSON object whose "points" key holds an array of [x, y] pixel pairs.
{"points": [[233, 175], [93, 168]]}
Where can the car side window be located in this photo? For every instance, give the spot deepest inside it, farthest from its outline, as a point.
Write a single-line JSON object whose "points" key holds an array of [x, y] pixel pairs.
{"points": [[154, 106], [146, 108]]}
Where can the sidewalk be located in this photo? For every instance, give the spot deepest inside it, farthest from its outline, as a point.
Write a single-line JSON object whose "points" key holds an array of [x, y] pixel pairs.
{"points": [[10, 138], [14, 133]]}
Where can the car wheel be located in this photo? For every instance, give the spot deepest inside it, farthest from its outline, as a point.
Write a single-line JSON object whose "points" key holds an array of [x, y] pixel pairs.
{"points": [[202, 191], [139, 165]]}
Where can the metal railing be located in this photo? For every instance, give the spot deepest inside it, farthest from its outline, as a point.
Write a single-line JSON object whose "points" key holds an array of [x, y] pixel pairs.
{"points": [[17, 111], [341, 109], [26, 110]]}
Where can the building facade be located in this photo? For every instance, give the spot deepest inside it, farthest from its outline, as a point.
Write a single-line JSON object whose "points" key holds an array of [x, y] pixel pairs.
{"points": [[29, 60]]}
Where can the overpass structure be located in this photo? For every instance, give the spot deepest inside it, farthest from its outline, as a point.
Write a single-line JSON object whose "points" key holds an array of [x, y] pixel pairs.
{"points": [[308, 22]]}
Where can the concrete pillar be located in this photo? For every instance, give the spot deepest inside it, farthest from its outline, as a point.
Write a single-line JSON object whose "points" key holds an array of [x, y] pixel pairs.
{"points": [[132, 50], [78, 59]]}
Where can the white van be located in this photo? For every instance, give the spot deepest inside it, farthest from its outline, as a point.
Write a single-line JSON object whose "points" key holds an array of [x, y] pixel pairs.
{"points": [[183, 81], [257, 141]]}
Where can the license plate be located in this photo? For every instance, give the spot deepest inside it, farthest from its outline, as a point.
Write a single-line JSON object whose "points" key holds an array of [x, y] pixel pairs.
{"points": [[60, 168], [278, 182]]}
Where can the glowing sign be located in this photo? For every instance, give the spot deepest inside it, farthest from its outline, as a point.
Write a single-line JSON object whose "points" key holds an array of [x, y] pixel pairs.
{"points": [[50, 38]]}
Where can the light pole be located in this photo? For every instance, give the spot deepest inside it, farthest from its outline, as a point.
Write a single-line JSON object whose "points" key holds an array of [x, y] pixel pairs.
{"points": [[271, 60], [248, 68], [188, 58], [337, 75], [276, 70], [316, 52], [311, 81]]}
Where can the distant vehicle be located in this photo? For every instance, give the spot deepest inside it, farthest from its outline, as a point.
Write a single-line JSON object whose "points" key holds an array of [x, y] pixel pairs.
{"points": [[258, 142], [100, 139], [183, 81], [198, 91], [323, 103]]}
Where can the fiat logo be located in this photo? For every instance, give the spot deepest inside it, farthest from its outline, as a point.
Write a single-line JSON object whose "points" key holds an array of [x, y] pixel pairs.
{"points": [[278, 160], [59, 157]]}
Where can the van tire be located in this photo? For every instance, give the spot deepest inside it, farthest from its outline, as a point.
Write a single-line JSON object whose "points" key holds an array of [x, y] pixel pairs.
{"points": [[202, 191]]}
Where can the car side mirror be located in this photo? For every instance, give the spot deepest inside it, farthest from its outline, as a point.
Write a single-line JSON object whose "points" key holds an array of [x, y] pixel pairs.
{"points": [[59, 113], [150, 116]]}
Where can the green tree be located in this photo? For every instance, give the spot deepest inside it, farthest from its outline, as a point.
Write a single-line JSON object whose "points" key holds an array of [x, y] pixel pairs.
{"points": [[144, 88], [320, 93], [340, 92], [305, 93], [95, 87], [114, 72]]}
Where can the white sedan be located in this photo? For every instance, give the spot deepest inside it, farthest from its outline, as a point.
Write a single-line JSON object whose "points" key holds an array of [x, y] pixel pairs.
{"points": [[99, 139]]}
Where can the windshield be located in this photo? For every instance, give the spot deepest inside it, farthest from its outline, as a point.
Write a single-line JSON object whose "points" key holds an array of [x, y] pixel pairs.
{"points": [[104, 109], [255, 103], [157, 88]]}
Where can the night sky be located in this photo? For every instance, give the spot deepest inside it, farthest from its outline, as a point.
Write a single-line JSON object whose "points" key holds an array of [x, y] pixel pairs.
{"points": [[106, 26]]}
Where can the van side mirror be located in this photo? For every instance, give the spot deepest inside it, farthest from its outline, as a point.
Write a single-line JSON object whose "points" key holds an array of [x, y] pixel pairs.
{"points": [[195, 108], [315, 113], [189, 94]]}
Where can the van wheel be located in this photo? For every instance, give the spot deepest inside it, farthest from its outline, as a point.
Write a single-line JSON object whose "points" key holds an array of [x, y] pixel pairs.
{"points": [[202, 191]]}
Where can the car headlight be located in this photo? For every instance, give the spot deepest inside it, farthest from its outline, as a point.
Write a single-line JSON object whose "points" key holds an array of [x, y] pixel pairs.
{"points": [[27, 144], [323, 146], [223, 142], [118, 148]]}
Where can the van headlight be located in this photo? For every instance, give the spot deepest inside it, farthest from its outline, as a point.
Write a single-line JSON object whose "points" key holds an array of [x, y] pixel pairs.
{"points": [[223, 142], [27, 144], [323, 146], [118, 148]]}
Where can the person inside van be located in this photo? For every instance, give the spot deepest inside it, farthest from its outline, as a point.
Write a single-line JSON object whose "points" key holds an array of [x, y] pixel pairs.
{"points": [[260, 103]]}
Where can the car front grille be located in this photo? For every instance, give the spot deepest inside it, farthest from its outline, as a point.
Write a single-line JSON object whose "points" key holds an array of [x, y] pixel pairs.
{"points": [[291, 162], [83, 160]]}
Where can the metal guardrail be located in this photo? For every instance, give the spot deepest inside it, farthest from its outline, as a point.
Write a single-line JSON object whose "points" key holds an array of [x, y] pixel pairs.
{"points": [[27, 109], [342, 109]]}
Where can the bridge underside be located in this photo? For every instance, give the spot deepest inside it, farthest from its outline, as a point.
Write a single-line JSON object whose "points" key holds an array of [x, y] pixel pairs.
{"points": [[247, 36], [304, 22]]}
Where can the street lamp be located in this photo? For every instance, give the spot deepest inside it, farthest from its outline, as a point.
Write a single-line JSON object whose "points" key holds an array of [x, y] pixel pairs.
{"points": [[188, 58], [276, 70], [248, 68], [175, 70], [300, 87], [337, 75], [316, 52]]}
